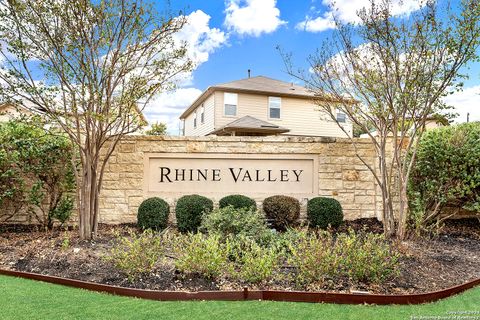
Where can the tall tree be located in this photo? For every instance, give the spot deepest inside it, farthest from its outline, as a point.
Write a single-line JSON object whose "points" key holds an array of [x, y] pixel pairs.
{"points": [[157, 129], [91, 66], [388, 75]]}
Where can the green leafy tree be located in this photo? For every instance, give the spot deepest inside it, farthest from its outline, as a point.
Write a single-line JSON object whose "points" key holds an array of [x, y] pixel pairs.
{"points": [[388, 75], [91, 66], [157, 129]]}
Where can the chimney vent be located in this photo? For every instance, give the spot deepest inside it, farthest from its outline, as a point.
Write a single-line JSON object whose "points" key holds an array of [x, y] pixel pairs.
{"points": [[249, 73]]}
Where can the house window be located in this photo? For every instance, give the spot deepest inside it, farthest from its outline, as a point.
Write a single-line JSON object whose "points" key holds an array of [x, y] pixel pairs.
{"points": [[341, 117], [230, 101], [202, 114], [195, 119], [274, 105]]}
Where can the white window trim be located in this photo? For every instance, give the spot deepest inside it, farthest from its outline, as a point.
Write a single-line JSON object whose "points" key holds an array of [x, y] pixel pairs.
{"points": [[202, 114], [224, 104], [195, 124], [269, 107]]}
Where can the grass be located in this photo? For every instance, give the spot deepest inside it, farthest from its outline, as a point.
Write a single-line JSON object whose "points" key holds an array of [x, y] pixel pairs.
{"points": [[28, 299]]}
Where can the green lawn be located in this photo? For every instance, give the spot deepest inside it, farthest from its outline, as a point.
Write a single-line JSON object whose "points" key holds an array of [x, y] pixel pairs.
{"points": [[27, 299]]}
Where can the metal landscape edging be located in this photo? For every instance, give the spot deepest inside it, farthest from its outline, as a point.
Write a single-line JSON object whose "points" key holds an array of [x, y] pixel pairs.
{"points": [[270, 295]]}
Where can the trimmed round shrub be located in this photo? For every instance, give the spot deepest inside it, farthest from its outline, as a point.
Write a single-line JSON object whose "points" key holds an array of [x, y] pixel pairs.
{"points": [[322, 212], [189, 211], [237, 201], [153, 214], [282, 211]]}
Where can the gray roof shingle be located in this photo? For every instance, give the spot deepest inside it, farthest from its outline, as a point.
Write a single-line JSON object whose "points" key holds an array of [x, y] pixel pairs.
{"points": [[265, 84], [259, 84], [249, 123]]}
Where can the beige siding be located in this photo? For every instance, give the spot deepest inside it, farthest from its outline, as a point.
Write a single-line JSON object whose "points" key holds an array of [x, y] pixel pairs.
{"points": [[205, 128], [8, 112], [298, 115], [432, 124]]}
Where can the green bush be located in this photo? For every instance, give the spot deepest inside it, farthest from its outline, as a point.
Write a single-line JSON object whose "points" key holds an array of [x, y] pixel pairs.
{"points": [[153, 214], [323, 212], [135, 254], [254, 263], [230, 221], [282, 211], [446, 172], [63, 210], [312, 257], [189, 211], [360, 257], [205, 255], [366, 257], [237, 201], [36, 175]]}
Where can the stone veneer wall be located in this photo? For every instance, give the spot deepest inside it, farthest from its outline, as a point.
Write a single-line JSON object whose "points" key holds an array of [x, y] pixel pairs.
{"points": [[341, 174]]}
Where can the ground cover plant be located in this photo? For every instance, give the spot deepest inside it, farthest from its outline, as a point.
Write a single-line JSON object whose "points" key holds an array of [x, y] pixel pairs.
{"points": [[136, 254], [202, 255], [361, 257]]}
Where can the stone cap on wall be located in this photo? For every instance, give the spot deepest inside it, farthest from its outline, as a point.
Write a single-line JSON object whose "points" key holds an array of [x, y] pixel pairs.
{"points": [[300, 139]]}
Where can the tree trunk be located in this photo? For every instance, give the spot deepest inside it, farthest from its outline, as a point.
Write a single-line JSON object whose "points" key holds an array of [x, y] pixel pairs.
{"points": [[403, 211], [387, 203], [388, 214], [89, 194]]}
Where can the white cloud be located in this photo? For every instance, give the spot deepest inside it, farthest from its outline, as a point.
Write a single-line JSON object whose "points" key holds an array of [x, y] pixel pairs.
{"points": [[346, 12], [168, 106], [466, 101], [252, 17], [201, 41]]}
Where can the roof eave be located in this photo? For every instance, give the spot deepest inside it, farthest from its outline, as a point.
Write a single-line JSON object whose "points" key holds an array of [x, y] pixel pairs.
{"points": [[246, 129], [197, 101], [265, 92], [212, 89]]}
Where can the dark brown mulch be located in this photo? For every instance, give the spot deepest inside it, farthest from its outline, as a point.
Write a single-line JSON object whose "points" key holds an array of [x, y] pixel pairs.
{"points": [[462, 228], [427, 264], [367, 224]]}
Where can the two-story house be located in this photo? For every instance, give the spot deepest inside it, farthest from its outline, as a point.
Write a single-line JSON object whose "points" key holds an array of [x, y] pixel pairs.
{"points": [[9, 111], [259, 106]]}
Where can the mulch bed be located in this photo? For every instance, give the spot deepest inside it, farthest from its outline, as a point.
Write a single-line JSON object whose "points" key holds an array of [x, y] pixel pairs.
{"points": [[427, 264]]}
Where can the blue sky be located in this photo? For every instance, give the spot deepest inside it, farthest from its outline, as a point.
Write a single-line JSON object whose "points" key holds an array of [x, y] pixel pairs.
{"points": [[227, 37]]}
